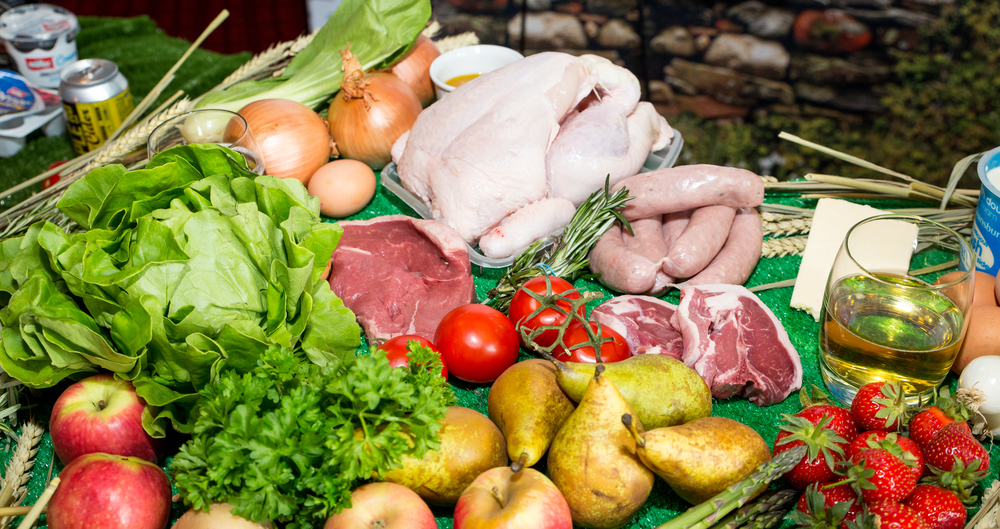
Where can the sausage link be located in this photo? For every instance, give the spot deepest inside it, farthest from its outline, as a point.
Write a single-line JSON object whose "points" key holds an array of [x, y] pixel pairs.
{"points": [[701, 241], [691, 186], [674, 224], [739, 256], [622, 269], [647, 239]]}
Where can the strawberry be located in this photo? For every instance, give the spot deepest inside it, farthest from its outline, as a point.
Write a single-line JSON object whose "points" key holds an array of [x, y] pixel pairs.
{"points": [[877, 475], [946, 409], [956, 460], [879, 406], [827, 505], [903, 448], [940, 508], [825, 446], [840, 419], [893, 515]]}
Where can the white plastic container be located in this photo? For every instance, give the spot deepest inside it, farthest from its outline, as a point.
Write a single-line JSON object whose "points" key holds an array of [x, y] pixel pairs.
{"points": [[41, 39], [15, 128], [661, 159], [468, 60]]}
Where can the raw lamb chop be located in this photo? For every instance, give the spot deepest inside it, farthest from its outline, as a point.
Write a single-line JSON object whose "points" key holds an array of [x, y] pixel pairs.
{"points": [[401, 275], [736, 344], [644, 321], [493, 147]]}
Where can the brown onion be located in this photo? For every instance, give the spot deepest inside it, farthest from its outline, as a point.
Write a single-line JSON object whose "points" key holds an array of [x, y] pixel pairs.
{"points": [[294, 140], [415, 69], [370, 113]]}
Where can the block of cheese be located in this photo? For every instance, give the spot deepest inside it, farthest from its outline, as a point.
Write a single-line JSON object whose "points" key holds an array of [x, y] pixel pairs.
{"points": [[831, 222]]}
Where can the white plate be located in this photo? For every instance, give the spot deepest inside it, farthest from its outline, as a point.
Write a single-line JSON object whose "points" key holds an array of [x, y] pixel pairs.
{"points": [[661, 159]]}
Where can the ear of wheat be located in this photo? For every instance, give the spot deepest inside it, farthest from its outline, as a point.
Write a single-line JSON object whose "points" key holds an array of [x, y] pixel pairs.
{"points": [[18, 471]]}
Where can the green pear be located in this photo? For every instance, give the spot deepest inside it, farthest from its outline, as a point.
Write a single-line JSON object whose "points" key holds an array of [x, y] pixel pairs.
{"points": [[470, 445], [663, 391], [701, 458], [593, 460], [529, 407]]}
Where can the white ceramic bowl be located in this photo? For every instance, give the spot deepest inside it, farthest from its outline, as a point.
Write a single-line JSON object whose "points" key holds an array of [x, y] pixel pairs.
{"points": [[481, 59]]}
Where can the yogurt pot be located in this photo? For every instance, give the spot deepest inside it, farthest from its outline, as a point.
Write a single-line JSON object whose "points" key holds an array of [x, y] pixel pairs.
{"points": [[41, 39], [986, 231]]}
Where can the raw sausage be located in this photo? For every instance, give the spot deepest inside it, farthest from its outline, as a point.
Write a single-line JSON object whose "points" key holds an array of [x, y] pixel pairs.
{"points": [[739, 256], [673, 225], [691, 186], [701, 241], [647, 239], [622, 269]]}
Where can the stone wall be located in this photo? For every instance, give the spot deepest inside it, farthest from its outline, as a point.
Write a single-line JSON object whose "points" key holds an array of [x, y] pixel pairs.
{"points": [[724, 60]]}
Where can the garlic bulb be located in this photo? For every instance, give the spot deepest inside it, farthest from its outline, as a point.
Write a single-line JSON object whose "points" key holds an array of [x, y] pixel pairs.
{"points": [[983, 374]]}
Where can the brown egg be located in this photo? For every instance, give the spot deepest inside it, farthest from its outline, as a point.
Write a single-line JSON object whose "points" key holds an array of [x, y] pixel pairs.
{"points": [[984, 288], [343, 187], [983, 336]]}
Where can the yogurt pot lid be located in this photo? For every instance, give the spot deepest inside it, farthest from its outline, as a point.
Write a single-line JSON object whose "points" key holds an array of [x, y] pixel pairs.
{"points": [[37, 22]]}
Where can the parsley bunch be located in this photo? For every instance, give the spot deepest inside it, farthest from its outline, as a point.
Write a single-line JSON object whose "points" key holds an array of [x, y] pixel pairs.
{"points": [[288, 441]]}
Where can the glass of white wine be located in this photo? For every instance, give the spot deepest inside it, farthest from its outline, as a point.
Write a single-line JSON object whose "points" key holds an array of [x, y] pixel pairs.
{"points": [[895, 306], [223, 127]]}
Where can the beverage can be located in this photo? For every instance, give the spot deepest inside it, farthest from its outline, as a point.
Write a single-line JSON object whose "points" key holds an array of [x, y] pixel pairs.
{"points": [[986, 230], [96, 99], [41, 39]]}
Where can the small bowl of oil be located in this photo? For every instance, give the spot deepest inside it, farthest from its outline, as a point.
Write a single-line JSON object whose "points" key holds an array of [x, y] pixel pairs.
{"points": [[459, 66]]}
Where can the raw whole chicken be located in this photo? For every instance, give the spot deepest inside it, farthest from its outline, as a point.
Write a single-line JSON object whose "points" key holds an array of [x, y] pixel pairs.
{"points": [[506, 158]]}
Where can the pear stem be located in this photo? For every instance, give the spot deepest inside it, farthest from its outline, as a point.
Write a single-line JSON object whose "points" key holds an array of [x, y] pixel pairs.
{"points": [[495, 492], [518, 465], [599, 370], [630, 426]]}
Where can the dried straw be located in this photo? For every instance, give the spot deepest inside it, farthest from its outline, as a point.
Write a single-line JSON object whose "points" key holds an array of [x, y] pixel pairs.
{"points": [[39, 506], [456, 41], [136, 138]]}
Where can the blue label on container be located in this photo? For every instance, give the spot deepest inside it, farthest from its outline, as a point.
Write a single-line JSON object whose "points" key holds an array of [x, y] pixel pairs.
{"points": [[986, 233]]}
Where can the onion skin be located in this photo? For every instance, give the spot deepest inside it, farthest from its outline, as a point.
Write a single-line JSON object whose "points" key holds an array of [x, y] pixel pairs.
{"points": [[367, 135], [294, 140], [415, 69]]}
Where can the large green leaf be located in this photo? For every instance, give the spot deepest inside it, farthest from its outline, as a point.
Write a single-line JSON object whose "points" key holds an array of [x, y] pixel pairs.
{"points": [[378, 31]]}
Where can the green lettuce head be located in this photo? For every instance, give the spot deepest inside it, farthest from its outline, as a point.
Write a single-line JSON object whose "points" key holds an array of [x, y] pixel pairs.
{"points": [[184, 268]]}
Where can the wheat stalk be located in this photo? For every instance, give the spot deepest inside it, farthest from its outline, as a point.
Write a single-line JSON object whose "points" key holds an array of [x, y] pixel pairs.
{"points": [[784, 246], [782, 225], [18, 470], [136, 137]]}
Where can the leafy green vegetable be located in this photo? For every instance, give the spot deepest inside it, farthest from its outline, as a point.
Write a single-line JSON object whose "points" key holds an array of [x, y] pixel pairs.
{"points": [[288, 441], [378, 31], [186, 267]]}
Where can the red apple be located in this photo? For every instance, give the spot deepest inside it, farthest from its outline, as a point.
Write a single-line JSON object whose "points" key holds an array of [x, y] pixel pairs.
{"points": [[384, 505], [102, 491], [502, 499], [101, 414]]}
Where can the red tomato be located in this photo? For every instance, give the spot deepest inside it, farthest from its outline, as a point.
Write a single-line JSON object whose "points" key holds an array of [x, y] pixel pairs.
{"points": [[522, 305], [612, 351], [477, 342], [397, 353], [52, 180]]}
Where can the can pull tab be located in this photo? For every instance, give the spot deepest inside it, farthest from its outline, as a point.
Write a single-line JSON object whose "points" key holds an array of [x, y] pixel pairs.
{"points": [[91, 73]]}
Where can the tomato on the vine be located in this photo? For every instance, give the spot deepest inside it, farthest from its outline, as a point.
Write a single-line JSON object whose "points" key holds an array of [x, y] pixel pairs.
{"points": [[522, 305], [477, 342], [397, 351], [613, 350]]}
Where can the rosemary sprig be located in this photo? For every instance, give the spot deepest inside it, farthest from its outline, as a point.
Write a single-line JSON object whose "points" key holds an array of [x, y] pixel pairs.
{"points": [[567, 257]]}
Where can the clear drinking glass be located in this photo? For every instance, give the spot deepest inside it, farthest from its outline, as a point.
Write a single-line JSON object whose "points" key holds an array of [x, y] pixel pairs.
{"points": [[883, 316], [208, 126]]}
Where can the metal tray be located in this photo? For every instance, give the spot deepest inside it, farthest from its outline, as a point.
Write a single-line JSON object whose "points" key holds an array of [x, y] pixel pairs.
{"points": [[661, 159]]}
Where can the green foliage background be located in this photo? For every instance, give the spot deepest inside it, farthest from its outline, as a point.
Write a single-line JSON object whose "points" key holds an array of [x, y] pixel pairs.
{"points": [[941, 107]]}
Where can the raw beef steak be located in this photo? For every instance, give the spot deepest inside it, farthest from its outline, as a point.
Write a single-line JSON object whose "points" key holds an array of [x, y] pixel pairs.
{"points": [[736, 344], [401, 275], [644, 321]]}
